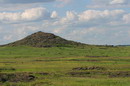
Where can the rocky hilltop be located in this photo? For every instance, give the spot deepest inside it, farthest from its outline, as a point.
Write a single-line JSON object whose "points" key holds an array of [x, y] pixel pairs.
{"points": [[42, 39]]}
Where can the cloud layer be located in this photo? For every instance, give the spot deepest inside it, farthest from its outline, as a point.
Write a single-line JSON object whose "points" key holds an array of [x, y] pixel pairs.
{"points": [[107, 24], [27, 15], [89, 26], [118, 2]]}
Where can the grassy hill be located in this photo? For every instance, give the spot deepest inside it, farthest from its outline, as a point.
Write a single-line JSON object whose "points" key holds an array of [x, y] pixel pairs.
{"points": [[42, 44], [42, 39]]}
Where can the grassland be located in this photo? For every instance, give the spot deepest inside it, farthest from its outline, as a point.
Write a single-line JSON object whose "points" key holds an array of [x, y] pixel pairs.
{"points": [[65, 66], [84, 51]]}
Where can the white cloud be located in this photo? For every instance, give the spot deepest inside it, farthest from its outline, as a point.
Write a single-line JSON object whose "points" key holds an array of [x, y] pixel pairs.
{"points": [[89, 18], [54, 14], [34, 13], [118, 2], [70, 18], [109, 4], [27, 15], [126, 18], [71, 15], [94, 15]]}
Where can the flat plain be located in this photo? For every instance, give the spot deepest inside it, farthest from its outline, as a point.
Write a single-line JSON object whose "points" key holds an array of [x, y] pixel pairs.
{"points": [[65, 66]]}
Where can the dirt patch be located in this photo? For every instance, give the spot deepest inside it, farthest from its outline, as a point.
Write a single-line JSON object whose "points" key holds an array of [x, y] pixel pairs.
{"points": [[110, 74], [119, 74], [89, 68], [17, 77]]}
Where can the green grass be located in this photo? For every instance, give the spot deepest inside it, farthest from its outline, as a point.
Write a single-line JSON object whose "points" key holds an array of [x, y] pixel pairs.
{"points": [[59, 62], [88, 51], [58, 68]]}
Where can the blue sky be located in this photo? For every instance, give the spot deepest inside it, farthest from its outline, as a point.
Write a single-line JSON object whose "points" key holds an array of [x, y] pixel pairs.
{"points": [[88, 21]]}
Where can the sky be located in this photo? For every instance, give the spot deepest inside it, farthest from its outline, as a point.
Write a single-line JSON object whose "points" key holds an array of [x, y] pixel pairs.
{"points": [[98, 22]]}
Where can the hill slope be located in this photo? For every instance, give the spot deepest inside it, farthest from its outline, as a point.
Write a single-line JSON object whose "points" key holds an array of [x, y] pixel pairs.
{"points": [[42, 39]]}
